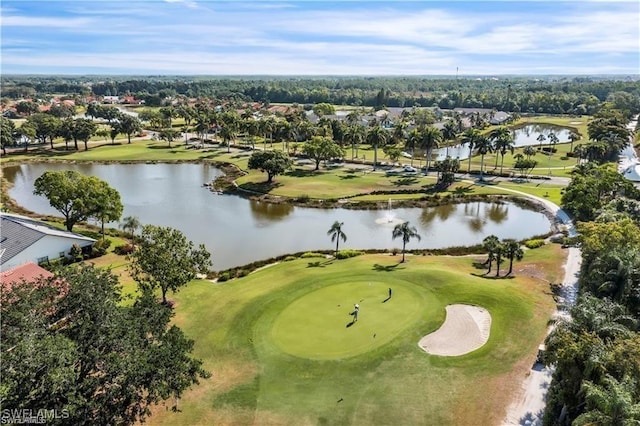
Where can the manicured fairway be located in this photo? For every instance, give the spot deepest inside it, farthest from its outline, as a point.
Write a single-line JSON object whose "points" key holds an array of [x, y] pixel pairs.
{"points": [[320, 325], [280, 352]]}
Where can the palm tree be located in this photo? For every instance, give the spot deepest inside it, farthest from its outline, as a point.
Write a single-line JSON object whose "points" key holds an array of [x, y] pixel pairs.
{"points": [[471, 138], [336, 234], [130, 223], [611, 403], [490, 244], [484, 146], [502, 141], [228, 133], [413, 139], [573, 136], [430, 139], [529, 151], [378, 137], [512, 250], [541, 138], [355, 134], [406, 232]]}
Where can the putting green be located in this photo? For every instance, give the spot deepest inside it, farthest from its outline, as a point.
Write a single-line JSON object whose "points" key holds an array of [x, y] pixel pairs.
{"points": [[319, 325]]}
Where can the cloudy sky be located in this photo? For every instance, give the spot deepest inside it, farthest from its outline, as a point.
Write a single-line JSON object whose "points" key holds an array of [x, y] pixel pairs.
{"points": [[212, 37]]}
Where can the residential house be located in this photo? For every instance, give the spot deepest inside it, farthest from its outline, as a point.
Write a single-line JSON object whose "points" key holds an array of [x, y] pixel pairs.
{"points": [[24, 240]]}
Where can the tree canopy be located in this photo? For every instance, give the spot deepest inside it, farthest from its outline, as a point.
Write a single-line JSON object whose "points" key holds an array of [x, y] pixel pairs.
{"points": [[78, 197], [271, 162], [165, 259], [69, 344]]}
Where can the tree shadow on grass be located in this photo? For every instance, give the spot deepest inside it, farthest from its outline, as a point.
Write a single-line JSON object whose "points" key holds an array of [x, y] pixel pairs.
{"points": [[261, 187], [302, 173], [386, 268], [406, 181], [317, 264]]}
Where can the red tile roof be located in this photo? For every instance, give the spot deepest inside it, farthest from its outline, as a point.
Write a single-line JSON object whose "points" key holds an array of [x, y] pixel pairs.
{"points": [[28, 272]]}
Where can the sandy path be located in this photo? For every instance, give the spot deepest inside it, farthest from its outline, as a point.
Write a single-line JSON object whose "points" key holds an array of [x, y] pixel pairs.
{"points": [[465, 329], [528, 405]]}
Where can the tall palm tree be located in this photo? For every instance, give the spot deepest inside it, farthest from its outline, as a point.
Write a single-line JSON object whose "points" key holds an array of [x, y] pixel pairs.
{"points": [[449, 133], [406, 232], [484, 146], [490, 244], [413, 140], [573, 136], [529, 151], [377, 136], [471, 137], [502, 139], [130, 223], [355, 135], [431, 137], [512, 250], [336, 234], [541, 138]]}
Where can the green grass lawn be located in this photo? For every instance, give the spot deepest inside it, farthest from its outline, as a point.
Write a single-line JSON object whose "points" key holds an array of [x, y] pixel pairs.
{"points": [[280, 351]]}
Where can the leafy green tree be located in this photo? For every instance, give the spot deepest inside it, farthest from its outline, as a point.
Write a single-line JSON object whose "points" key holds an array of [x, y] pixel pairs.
{"points": [[7, 134], [169, 135], [392, 152], [45, 125], [592, 187], [271, 162], [337, 233], [76, 195], [107, 206], [529, 151], [447, 169], [321, 148], [129, 125], [84, 129], [323, 109], [165, 259], [70, 343], [406, 232]]}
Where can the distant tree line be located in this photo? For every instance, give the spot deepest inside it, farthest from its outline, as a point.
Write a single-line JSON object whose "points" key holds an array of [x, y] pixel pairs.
{"points": [[555, 95]]}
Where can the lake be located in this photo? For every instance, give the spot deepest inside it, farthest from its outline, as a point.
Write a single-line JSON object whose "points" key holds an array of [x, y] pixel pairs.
{"points": [[238, 231], [522, 136]]}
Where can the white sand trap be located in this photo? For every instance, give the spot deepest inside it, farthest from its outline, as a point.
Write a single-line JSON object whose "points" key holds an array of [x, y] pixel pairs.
{"points": [[465, 329]]}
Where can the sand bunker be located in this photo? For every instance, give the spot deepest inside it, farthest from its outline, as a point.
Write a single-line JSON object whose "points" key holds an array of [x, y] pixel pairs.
{"points": [[465, 329]]}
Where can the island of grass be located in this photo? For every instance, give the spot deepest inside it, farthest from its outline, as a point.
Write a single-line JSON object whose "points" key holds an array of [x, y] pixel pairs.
{"points": [[283, 348]]}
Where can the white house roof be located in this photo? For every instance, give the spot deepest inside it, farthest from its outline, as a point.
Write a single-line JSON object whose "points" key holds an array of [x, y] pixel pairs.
{"points": [[632, 173], [19, 232]]}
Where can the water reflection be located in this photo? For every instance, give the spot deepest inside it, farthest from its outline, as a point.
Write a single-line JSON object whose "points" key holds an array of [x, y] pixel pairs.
{"points": [[172, 195], [268, 211]]}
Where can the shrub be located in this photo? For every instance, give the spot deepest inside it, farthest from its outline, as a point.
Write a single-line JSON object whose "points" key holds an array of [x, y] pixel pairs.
{"points": [[75, 253], [224, 276], [532, 244], [124, 249], [100, 247], [303, 199], [289, 258], [241, 273], [309, 254], [345, 254]]}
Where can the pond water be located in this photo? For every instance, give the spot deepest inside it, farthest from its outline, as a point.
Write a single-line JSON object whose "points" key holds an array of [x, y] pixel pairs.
{"points": [[238, 231], [522, 136]]}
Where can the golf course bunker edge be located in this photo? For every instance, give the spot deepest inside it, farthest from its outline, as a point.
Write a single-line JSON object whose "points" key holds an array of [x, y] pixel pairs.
{"points": [[321, 324], [465, 329]]}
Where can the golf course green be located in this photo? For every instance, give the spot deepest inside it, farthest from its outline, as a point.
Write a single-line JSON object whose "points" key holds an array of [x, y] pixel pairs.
{"points": [[320, 325], [280, 350]]}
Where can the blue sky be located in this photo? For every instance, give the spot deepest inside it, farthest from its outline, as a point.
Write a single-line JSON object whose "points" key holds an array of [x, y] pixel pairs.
{"points": [[210, 37]]}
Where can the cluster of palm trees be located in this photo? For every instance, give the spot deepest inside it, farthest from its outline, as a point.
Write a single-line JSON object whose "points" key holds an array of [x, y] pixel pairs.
{"points": [[498, 251], [402, 230]]}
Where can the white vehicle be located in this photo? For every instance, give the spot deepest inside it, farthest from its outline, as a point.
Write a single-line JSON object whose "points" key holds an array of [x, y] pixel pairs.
{"points": [[409, 169]]}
